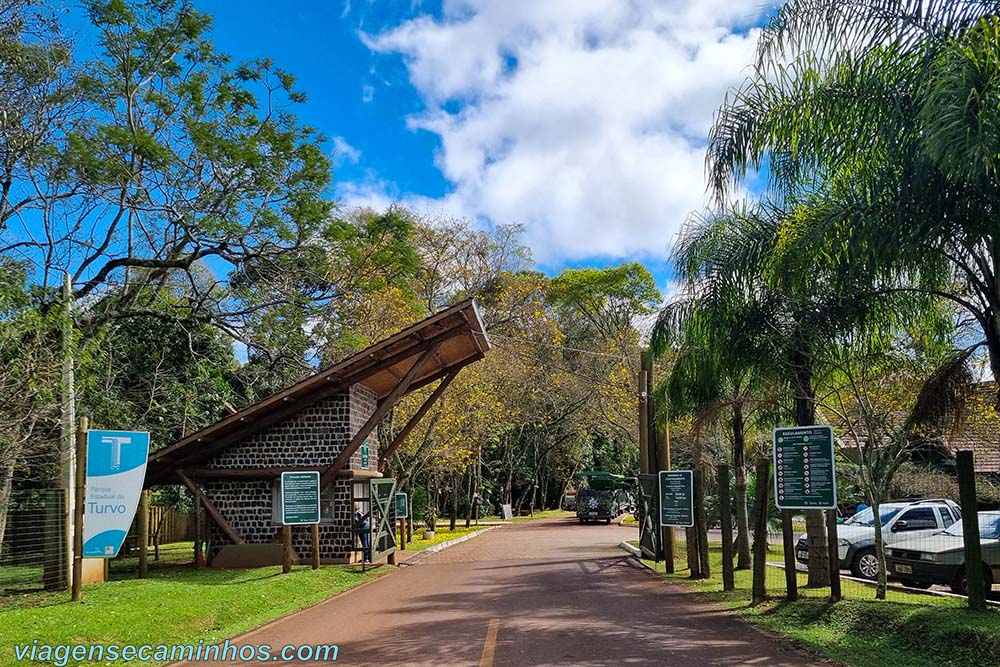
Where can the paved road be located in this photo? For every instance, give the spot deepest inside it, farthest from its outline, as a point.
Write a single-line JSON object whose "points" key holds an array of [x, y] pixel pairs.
{"points": [[533, 594]]}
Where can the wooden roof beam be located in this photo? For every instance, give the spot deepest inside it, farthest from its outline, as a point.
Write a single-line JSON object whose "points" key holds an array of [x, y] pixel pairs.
{"points": [[380, 412], [210, 508], [415, 419]]}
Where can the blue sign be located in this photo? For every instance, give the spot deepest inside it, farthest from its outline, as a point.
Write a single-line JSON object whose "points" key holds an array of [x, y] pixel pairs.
{"points": [[116, 469]]}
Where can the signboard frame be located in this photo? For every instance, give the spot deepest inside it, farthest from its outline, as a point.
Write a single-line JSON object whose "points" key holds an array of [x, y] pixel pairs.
{"points": [[116, 477], [406, 506], [778, 478], [664, 474], [314, 474]]}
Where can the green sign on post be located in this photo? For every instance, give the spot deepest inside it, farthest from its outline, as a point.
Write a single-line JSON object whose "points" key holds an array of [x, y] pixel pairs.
{"points": [[805, 477], [402, 506], [677, 498], [364, 454], [299, 498]]}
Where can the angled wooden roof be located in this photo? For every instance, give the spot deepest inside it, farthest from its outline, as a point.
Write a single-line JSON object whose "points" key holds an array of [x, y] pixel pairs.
{"points": [[460, 337]]}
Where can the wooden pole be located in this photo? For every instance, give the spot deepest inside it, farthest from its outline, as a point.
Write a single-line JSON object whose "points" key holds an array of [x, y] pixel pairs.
{"points": [[970, 531], [834, 550], [726, 518], [286, 541], [81, 496], [701, 523], [788, 542], [760, 503], [143, 537], [314, 531], [402, 534], [644, 466], [199, 530]]}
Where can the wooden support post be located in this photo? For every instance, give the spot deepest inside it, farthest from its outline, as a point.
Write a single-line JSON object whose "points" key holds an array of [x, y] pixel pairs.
{"points": [[385, 405], [199, 533], [81, 496], [314, 532], [402, 534], [701, 523], [970, 531], [415, 419], [210, 508], [726, 518], [286, 542], [788, 542], [143, 534], [834, 549], [644, 466], [760, 505]]}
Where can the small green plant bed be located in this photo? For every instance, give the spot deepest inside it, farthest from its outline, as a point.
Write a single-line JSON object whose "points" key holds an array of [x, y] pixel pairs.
{"points": [[172, 606], [860, 631], [440, 535]]}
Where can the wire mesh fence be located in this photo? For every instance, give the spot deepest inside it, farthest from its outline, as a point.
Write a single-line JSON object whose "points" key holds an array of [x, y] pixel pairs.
{"points": [[33, 554]]}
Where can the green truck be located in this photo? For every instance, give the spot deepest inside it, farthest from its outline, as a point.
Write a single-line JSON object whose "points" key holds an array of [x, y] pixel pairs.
{"points": [[603, 496]]}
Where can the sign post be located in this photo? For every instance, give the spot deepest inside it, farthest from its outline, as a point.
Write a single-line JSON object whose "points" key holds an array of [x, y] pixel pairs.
{"points": [[805, 477], [116, 469], [677, 498], [299, 507], [402, 514]]}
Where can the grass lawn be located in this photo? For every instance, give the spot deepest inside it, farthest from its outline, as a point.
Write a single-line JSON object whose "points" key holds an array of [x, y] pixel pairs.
{"points": [[546, 514], [440, 535], [906, 629], [174, 605]]}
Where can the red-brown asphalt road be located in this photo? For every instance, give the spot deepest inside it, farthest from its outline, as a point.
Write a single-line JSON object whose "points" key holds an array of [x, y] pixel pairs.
{"points": [[534, 594]]}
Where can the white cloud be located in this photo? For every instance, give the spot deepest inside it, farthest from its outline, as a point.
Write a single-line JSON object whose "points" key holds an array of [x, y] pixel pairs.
{"points": [[585, 120], [344, 152]]}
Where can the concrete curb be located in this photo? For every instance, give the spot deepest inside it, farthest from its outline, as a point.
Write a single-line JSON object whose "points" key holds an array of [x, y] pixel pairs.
{"points": [[444, 545]]}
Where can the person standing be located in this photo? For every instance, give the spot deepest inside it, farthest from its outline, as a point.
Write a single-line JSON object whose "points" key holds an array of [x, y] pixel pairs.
{"points": [[363, 526]]}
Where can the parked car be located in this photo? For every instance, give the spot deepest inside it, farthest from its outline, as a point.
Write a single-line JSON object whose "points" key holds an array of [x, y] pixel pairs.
{"points": [[900, 520], [940, 558]]}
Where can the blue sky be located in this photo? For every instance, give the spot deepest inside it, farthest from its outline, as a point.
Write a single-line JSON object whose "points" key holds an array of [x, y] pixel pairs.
{"points": [[583, 120]]}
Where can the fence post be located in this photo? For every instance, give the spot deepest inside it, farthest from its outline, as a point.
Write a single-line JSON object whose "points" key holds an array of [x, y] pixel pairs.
{"points": [[143, 537], [970, 531], [788, 542], [726, 518], [760, 505], [81, 496]]}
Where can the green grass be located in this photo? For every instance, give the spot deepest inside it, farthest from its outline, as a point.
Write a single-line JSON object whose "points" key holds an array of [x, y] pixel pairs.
{"points": [[541, 514], [440, 535], [174, 605], [860, 631]]}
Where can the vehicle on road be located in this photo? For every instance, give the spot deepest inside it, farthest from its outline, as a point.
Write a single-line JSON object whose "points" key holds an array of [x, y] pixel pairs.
{"points": [[901, 520], [603, 496], [940, 558]]}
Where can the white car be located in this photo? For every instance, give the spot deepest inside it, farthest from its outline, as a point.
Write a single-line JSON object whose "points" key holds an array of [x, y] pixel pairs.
{"points": [[901, 519]]}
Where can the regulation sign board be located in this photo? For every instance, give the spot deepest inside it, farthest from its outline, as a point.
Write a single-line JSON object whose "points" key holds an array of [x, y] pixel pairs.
{"points": [[402, 506], [116, 468], [677, 498], [805, 476], [299, 498]]}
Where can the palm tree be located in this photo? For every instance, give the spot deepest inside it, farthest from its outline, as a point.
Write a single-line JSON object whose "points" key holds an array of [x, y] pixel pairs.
{"points": [[878, 120]]}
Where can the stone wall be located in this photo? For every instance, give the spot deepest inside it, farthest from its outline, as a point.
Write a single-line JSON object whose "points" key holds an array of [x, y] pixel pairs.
{"points": [[313, 437]]}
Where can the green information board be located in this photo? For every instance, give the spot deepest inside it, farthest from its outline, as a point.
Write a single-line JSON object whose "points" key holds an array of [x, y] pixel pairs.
{"points": [[364, 454], [677, 498], [805, 477], [299, 498], [402, 506]]}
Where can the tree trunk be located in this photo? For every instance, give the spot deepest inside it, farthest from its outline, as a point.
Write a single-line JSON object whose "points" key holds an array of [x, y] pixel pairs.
{"points": [[740, 468], [454, 501], [468, 507], [6, 487], [805, 415]]}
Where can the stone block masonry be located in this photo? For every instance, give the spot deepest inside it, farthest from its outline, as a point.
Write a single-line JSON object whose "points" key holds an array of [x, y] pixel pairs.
{"points": [[313, 437]]}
